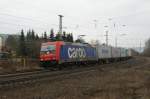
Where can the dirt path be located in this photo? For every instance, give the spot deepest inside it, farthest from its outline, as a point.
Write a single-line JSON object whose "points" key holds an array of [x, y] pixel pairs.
{"points": [[124, 80]]}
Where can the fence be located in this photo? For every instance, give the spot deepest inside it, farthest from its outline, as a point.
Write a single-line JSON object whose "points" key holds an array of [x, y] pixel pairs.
{"points": [[18, 64]]}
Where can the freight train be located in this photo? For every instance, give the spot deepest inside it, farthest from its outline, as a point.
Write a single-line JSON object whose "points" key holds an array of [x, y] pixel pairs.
{"points": [[58, 53]]}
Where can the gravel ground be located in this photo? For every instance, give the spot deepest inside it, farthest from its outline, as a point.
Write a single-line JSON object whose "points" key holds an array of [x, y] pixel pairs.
{"points": [[124, 80]]}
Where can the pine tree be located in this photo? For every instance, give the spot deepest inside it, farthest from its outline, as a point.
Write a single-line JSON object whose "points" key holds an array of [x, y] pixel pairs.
{"points": [[57, 38], [32, 34], [68, 38], [45, 36], [11, 43], [28, 36], [64, 36], [42, 37], [71, 37], [52, 35], [37, 37], [22, 44]]}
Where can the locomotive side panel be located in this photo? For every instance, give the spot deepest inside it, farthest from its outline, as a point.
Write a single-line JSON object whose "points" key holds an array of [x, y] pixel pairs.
{"points": [[74, 53]]}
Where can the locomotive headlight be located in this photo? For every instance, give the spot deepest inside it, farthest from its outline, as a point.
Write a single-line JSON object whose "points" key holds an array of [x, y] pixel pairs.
{"points": [[47, 52]]}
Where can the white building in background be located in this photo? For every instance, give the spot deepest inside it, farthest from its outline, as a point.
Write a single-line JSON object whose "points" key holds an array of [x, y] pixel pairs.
{"points": [[3, 38]]}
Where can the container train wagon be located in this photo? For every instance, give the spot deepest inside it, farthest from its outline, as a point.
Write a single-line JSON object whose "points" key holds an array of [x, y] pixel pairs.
{"points": [[112, 54], [59, 53]]}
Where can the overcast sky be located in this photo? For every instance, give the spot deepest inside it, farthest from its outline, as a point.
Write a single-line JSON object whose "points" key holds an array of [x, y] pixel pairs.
{"points": [[131, 17]]}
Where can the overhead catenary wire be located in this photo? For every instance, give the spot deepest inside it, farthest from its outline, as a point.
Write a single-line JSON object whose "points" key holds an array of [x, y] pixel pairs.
{"points": [[72, 27], [37, 20], [24, 18]]}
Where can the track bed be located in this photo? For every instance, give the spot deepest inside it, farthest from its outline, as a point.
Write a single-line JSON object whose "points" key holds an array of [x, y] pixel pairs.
{"points": [[122, 80]]}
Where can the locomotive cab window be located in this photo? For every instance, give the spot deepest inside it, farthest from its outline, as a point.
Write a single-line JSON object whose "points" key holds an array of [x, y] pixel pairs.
{"points": [[48, 49]]}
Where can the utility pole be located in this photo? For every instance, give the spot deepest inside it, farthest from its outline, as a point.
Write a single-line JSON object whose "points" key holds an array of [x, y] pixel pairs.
{"points": [[95, 24], [116, 40], [140, 47], [106, 38], [96, 29], [60, 25]]}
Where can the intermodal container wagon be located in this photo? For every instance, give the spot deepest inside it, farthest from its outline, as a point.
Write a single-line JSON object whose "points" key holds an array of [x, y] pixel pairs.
{"points": [[103, 51], [124, 52], [116, 52]]}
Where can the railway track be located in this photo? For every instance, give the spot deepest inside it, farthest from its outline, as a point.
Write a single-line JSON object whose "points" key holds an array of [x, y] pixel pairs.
{"points": [[21, 78], [40, 75], [16, 78]]}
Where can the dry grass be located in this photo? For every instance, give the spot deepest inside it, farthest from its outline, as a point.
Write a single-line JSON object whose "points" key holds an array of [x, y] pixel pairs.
{"points": [[18, 65], [128, 82]]}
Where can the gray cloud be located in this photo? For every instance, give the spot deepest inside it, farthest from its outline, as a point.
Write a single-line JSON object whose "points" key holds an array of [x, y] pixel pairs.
{"points": [[41, 15]]}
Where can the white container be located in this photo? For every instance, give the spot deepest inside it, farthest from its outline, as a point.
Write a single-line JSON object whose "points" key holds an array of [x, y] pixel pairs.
{"points": [[123, 52], [116, 52], [104, 52]]}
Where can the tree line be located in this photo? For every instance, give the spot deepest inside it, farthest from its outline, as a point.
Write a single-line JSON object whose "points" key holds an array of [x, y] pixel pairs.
{"points": [[28, 44]]}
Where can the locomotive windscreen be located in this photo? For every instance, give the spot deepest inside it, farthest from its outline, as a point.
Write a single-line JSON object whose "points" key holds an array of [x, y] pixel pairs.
{"points": [[48, 49]]}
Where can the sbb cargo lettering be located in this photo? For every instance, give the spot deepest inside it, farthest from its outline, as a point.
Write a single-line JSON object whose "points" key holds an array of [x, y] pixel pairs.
{"points": [[76, 53]]}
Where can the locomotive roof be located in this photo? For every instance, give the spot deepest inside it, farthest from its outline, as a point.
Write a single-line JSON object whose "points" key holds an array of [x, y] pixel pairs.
{"points": [[67, 43]]}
